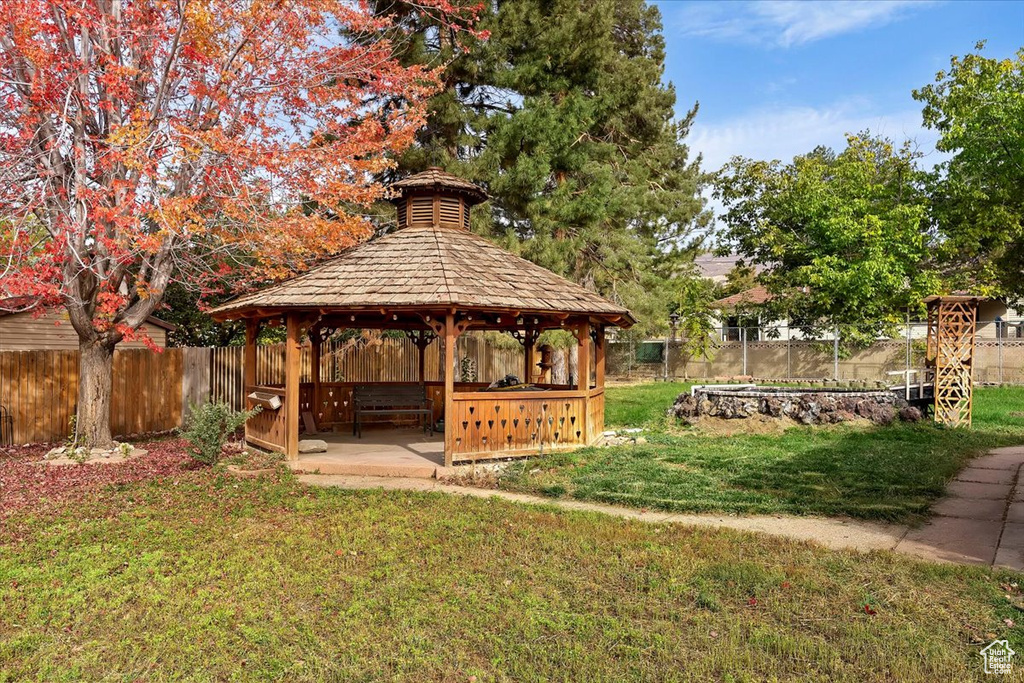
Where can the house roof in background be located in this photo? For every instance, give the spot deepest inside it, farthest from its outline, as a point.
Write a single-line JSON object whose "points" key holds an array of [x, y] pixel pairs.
{"points": [[717, 268], [748, 297]]}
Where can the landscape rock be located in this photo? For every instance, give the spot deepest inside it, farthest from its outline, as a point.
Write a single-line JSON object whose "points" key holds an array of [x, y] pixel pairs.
{"points": [[911, 414], [312, 446]]}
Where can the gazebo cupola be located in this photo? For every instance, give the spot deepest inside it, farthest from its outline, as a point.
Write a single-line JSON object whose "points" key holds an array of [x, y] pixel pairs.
{"points": [[436, 198]]}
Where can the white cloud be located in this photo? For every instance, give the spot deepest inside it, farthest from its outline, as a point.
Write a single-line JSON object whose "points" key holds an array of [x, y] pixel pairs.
{"points": [[784, 132], [785, 23]]}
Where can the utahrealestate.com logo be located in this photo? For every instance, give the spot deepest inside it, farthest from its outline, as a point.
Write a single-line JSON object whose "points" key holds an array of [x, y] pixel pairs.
{"points": [[997, 656]]}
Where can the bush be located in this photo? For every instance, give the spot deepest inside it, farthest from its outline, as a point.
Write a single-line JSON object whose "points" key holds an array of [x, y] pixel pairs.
{"points": [[209, 427]]}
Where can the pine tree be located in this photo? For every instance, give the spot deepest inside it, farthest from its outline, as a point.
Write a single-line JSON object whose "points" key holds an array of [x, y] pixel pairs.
{"points": [[562, 115]]}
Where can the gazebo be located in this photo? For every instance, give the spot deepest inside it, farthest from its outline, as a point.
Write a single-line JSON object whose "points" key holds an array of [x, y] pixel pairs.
{"points": [[433, 279]]}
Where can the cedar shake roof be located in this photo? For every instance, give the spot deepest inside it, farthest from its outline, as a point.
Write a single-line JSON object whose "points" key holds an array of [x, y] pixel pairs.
{"points": [[430, 267], [436, 180], [749, 297]]}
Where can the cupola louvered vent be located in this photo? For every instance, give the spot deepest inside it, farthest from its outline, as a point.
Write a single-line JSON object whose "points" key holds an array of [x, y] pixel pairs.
{"points": [[421, 210], [450, 210], [401, 206]]}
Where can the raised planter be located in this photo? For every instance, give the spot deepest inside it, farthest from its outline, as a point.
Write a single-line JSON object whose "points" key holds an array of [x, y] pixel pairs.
{"points": [[807, 406]]}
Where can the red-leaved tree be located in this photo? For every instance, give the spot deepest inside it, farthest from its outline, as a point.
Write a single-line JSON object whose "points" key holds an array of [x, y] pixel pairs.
{"points": [[143, 141]]}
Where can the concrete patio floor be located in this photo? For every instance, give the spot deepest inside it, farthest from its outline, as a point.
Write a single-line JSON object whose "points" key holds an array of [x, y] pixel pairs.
{"points": [[382, 452]]}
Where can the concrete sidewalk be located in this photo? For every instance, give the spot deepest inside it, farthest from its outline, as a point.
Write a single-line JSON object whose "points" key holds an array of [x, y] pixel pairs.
{"points": [[980, 521], [981, 518]]}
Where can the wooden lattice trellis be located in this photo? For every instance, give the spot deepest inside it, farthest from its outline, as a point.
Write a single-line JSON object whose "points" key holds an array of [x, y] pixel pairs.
{"points": [[951, 335]]}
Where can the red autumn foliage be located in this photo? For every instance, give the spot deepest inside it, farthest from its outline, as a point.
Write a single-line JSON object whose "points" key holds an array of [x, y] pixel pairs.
{"points": [[144, 142], [28, 486]]}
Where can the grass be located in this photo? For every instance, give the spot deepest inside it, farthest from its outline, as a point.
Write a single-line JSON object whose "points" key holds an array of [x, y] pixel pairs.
{"points": [[888, 473], [208, 578], [639, 405]]}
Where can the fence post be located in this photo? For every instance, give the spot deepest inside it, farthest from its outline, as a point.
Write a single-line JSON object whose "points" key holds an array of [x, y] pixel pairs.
{"points": [[910, 351], [665, 361], [835, 356], [743, 340], [999, 348], [789, 353]]}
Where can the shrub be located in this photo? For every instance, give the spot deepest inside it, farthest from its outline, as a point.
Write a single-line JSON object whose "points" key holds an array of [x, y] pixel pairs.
{"points": [[209, 427]]}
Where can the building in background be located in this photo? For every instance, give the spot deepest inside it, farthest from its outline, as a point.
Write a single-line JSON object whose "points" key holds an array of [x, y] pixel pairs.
{"points": [[23, 328]]}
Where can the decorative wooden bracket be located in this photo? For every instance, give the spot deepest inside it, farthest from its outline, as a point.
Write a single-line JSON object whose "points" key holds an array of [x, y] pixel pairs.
{"points": [[525, 337], [421, 338], [577, 331], [437, 326]]}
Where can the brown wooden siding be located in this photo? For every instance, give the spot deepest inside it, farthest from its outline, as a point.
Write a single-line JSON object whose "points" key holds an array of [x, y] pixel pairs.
{"points": [[53, 332]]}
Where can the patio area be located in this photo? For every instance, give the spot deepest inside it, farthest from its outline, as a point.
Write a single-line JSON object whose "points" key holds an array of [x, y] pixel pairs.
{"points": [[384, 451]]}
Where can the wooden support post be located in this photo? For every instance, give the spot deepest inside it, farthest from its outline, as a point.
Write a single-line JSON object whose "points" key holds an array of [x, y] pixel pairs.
{"points": [[315, 340], [583, 376], [529, 340], [421, 347], [292, 354], [599, 357], [583, 357], [252, 329], [449, 388]]}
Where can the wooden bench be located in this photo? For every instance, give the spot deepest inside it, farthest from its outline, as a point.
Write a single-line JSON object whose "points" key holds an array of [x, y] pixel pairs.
{"points": [[391, 399]]}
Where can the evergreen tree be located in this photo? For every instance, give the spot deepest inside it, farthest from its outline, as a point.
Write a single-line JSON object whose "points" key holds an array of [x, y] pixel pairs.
{"points": [[563, 117]]}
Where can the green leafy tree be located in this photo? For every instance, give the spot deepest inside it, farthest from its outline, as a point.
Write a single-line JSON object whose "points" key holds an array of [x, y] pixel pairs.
{"points": [[696, 321], [842, 237], [563, 116], [977, 106]]}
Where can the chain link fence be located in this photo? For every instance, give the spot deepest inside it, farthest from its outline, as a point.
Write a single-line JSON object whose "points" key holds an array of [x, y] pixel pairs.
{"points": [[783, 353]]}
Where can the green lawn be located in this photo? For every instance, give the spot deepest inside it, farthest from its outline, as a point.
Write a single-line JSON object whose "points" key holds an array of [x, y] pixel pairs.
{"points": [[203, 578], [889, 473]]}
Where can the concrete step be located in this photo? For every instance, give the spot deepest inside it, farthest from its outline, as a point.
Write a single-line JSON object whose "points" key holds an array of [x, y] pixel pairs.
{"points": [[364, 469]]}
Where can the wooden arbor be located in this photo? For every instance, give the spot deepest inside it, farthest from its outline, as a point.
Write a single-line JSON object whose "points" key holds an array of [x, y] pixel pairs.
{"points": [[434, 280], [950, 358]]}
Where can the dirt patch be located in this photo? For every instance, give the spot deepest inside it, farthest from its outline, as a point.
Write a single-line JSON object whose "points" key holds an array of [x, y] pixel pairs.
{"points": [[755, 424]]}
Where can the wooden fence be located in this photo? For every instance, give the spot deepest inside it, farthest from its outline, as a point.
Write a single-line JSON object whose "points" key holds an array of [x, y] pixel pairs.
{"points": [[40, 389], [152, 392]]}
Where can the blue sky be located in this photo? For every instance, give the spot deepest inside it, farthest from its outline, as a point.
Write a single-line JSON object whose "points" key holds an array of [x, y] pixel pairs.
{"points": [[774, 79]]}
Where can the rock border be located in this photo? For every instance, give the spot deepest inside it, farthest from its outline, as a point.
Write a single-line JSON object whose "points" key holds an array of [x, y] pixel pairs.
{"points": [[805, 406], [65, 455]]}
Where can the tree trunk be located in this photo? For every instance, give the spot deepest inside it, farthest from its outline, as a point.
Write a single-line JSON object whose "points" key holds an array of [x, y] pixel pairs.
{"points": [[95, 378]]}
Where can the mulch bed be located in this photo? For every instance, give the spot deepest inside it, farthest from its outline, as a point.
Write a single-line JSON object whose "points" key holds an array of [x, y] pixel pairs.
{"points": [[25, 485]]}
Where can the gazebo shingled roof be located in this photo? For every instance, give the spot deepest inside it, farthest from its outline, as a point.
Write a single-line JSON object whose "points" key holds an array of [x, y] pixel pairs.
{"points": [[416, 267], [436, 265]]}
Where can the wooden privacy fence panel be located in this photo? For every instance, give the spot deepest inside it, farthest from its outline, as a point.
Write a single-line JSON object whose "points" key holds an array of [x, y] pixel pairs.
{"points": [[152, 391], [195, 379], [40, 388]]}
